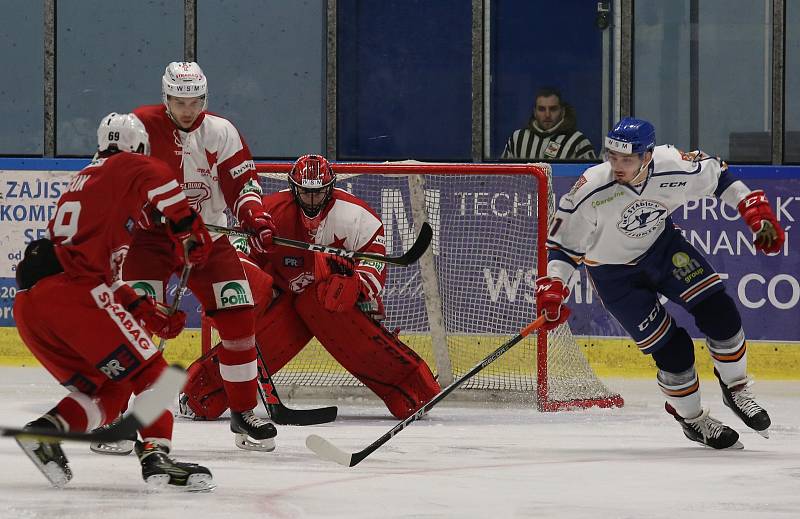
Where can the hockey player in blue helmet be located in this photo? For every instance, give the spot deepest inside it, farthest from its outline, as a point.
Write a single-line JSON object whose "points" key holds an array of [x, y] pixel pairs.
{"points": [[629, 149], [616, 221]]}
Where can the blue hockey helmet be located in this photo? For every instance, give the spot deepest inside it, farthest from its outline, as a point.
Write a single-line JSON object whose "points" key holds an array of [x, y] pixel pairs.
{"points": [[630, 136]]}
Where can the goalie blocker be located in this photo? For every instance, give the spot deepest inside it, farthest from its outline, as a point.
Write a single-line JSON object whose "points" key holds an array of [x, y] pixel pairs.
{"points": [[372, 354]]}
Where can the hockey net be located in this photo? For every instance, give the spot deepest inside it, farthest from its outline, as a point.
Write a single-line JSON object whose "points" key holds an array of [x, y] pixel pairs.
{"points": [[472, 290]]}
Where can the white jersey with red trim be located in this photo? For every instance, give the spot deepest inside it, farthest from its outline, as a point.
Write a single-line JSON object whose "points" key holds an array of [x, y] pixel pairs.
{"points": [[211, 161], [602, 221], [346, 222]]}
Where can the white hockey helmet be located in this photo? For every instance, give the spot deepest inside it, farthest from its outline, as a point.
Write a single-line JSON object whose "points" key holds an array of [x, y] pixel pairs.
{"points": [[122, 132], [184, 79]]}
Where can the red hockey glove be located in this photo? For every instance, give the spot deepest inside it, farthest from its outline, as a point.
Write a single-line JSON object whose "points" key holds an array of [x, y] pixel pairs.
{"points": [[756, 211], [155, 317], [191, 238], [256, 220], [151, 218], [550, 296], [338, 285]]}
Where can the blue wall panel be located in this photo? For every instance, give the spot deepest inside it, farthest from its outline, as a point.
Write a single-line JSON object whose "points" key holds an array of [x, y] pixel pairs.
{"points": [[404, 73], [542, 43]]}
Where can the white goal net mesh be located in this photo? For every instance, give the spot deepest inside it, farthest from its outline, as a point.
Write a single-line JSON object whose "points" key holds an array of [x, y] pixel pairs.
{"points": [[474, 288]]}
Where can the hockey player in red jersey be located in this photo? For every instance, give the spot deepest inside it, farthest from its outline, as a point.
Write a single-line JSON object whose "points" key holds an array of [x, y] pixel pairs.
{"points": [[96, 342], [213, 165], [302, 294]]}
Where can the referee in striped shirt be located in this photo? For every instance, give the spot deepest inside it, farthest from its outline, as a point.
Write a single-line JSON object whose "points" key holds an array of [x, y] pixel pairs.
{"points": [[551, 133]]}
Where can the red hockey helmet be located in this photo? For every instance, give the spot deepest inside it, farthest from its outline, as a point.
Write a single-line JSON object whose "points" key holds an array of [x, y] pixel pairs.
{"points": [[312, 180]]}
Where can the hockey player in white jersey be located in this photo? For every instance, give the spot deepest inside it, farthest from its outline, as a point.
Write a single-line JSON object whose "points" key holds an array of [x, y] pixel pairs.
{"points": [[616, 221]]}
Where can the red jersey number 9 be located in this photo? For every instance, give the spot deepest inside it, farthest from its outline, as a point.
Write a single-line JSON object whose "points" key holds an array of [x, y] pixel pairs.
{"points": [[65, 224]]}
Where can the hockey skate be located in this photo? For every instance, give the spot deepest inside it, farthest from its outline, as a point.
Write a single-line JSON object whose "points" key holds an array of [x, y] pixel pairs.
{"points": [[184, 411], [48, 457], [740, 400], [161, 471], [252, 432], [118, 448], [706, 430]]}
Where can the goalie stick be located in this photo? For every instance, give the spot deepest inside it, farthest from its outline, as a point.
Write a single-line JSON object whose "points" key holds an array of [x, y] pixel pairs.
{"points": [[414, 253], [328, 451], [279, 413], [146, 408]]}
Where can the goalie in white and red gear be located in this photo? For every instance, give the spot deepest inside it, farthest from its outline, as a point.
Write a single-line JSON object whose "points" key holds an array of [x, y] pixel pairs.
{"points": [[302, 294], [87, 328], [213, 165]]}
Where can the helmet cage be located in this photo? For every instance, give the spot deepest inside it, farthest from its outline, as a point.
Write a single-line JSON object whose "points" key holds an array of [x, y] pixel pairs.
{"points": [[312, 174]]}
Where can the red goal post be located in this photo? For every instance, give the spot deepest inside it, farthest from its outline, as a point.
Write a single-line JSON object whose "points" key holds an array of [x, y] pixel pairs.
{"points": [[474, 287]]}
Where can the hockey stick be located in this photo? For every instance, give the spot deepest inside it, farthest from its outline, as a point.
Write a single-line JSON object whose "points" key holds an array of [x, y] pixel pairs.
{"points": [[414, 253], [146, 408], [328, 451], [279, 413], [179, 292]]}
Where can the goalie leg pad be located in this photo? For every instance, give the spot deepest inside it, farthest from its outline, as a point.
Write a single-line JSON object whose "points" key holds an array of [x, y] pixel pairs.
{"points": [[373, 355], [204, 392], [281, 334]]}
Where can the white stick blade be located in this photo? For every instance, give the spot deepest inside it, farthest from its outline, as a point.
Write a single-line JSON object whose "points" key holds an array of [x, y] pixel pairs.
{"points": [[328, 451], [149, 404]]}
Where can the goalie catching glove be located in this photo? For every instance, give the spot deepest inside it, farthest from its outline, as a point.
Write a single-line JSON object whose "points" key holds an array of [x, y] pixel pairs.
{"points": [[758, 215], [154, 316], [257, 221], [550, 296], [193, 243], [338, 285]]}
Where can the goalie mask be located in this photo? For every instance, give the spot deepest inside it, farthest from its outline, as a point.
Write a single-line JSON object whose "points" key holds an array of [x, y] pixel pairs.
{"points": [[122, 132], [312, 181]]}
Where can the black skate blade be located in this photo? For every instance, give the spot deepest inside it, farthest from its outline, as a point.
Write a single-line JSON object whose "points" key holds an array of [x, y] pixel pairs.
{"points": [[55, 474]]}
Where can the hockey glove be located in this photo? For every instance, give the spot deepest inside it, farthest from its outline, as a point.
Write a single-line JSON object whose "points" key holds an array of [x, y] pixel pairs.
{"points": [[151, 218], [256, 220], [155, 317], [550, 296], [338, 285], [758, 215], [191, 238]]}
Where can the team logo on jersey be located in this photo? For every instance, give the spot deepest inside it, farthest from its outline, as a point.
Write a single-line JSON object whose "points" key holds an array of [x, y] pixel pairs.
{"points": [[229, 294], [196, 194], [116, 260], [641, 218], [580, 182], [119, 364], [686, 268], [293, 261], [301, 282], [148, 287]]}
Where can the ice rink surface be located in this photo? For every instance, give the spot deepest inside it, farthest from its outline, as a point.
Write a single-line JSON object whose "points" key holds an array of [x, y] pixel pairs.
{"points": [[463, 460]]}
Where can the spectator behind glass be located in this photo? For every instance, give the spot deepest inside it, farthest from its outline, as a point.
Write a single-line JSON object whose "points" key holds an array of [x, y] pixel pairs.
{"points": [[551, 133]]}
